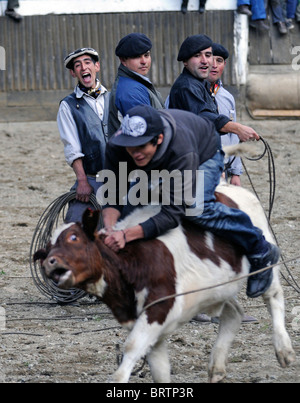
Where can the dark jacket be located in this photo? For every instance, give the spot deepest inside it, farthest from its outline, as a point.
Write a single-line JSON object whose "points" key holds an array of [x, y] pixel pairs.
{"points": [[130, 90], [192, 94], [189, 141]]}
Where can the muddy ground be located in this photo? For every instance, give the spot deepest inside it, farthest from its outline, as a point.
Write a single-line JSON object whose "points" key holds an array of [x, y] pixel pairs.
{"points": [[46, 342]]}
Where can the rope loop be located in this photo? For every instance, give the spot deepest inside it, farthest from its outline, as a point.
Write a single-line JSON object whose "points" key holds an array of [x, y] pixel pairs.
{"points": [[52, 218]]}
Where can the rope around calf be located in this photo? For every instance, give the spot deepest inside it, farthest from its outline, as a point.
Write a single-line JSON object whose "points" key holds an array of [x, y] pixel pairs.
{"points": [[272, 180], [215, 286]]}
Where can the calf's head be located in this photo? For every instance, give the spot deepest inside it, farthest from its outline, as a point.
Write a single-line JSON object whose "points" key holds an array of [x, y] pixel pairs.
{"points": [[73, 259]]}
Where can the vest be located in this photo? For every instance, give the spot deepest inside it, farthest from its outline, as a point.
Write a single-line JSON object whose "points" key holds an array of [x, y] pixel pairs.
{"points": [[92, 131]]}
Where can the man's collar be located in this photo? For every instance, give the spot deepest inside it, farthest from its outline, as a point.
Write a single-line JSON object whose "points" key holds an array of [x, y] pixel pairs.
{"points": [[79, 93], [133, 74]]}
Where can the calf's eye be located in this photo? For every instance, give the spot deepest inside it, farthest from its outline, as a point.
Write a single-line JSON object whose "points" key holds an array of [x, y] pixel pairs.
{"points": [[73, 238]]}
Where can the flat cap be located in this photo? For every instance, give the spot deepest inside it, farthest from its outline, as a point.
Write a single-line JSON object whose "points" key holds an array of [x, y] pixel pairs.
{"points": [[79, 52], [219, 50], [192, 45], [133, 45]]}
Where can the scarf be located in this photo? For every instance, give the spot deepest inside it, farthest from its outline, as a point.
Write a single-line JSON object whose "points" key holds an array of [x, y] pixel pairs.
{"points": [[93, 92], [215, 88]]}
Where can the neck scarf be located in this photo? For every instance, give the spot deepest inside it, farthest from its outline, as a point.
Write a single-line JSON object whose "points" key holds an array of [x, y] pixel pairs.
{"points": [[93, 92], [215, 88]]}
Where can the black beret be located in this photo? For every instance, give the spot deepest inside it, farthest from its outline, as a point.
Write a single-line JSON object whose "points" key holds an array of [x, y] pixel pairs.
{"points": [[219, 50], [133, 45], [192, 45]]}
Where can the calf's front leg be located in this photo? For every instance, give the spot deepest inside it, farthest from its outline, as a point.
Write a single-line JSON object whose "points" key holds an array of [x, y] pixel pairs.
{"points": [[230, 322], [140, 341], [158, 359]]}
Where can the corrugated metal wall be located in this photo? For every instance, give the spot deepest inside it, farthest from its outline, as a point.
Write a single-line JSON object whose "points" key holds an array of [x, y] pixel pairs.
{"points": [[36, 47]]}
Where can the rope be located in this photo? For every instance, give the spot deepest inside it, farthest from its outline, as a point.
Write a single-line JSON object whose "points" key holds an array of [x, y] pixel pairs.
{"points": [[52, 217], [215, 286], [272, 174], [272, 180]]}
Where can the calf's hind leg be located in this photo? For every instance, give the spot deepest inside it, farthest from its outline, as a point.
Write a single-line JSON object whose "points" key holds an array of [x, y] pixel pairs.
{"points": [[274, 300], [230, 322]]}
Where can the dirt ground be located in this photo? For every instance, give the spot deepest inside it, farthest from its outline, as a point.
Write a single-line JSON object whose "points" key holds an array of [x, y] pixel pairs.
{"points": [[46, 342]]}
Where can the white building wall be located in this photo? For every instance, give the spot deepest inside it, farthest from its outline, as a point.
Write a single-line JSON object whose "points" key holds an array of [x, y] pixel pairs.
{"points": [[42, 7]]}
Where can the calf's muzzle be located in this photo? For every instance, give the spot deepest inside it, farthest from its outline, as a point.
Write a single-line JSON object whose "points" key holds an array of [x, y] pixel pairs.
{"points": [[57, 271]]}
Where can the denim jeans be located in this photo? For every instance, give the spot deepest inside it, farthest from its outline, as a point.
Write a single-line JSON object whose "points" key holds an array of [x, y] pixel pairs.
{"points": [[77, 208], [231, 224], [291, 7], [276, 11], [257, 7]]}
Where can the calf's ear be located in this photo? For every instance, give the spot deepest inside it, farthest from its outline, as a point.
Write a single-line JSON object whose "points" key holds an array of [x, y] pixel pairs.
{"points": [[90, 221], [40, 255]]}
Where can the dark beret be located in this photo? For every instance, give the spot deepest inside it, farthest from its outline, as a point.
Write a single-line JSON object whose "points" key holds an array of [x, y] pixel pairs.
{"points": [[133, 45], [192, 45], [219, 50]]}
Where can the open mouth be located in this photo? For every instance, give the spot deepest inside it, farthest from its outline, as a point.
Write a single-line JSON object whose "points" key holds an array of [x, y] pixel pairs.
{"points": [[86, 77], [63, 278], [57, 274]]}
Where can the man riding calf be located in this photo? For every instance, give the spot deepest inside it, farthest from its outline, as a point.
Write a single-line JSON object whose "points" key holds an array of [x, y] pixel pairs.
{"points": [[150, 140]]}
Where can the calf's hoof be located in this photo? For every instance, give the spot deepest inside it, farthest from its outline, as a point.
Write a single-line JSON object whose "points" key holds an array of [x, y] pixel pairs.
{"points": [[286, 357], [217, 376]]}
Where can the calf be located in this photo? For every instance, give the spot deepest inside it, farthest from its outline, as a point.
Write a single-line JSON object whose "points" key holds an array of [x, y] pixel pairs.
{"points": [[182, 260]]}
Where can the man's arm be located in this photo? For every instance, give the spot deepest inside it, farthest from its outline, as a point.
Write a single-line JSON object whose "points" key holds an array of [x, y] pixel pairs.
{"points": [[197, 101], [244, 133], [84, 189], [69, 134], [73, 152], [117, 240]]}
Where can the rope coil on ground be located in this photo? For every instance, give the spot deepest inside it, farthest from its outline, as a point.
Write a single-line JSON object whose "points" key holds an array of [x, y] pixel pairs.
{"points": [[53, 217]]}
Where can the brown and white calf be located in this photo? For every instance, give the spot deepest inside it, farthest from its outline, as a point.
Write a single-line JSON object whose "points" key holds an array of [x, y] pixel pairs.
{"points": [[182, 260]]}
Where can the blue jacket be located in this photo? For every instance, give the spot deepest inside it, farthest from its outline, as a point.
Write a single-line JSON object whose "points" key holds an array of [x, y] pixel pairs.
{"points": [[130, 90]]}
